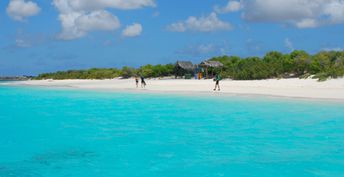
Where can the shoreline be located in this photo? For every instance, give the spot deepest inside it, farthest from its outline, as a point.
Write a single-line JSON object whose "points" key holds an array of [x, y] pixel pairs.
{"points": [[303, 89]]}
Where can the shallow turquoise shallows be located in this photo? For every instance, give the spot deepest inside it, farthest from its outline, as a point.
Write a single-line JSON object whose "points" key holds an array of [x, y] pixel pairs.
{"points": [[71, 133]]}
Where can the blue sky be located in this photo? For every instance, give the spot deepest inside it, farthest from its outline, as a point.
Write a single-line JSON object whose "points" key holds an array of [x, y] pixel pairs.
{"points": [[48, 35]]}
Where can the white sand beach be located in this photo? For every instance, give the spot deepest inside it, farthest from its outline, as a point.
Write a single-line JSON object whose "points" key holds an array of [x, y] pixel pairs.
{"points": [[296, 88]]}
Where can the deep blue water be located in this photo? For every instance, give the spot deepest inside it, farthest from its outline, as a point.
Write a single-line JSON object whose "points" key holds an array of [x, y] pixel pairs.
{"points": [[70, 133]]}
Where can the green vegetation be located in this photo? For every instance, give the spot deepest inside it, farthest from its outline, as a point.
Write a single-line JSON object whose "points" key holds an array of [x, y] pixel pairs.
{"points": [[148, 71], [322, 66], [94, 73]]}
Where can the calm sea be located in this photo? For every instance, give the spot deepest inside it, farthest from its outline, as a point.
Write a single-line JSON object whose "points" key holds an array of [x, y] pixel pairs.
{"points": [[3, 81], [59, 133]]}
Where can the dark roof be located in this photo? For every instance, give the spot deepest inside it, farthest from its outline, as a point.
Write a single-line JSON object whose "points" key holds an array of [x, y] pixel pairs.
{"points": [[187, 65], [214, 64]]}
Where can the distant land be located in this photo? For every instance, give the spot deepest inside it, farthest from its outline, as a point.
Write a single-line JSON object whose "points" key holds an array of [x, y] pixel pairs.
{"points": [[322, 66], [15, 78]]}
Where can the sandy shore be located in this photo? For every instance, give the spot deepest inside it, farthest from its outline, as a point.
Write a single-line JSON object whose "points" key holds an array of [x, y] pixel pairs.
{"points": [[297, 88]]}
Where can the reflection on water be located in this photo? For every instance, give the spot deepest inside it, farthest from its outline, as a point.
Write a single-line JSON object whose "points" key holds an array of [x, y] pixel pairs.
{"points": [[17, 170], [62, 157], [51, 161]]}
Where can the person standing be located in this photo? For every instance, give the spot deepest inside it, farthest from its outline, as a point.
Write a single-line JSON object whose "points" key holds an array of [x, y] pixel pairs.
{"points": [[137, 81], [217, 82], [143, 83]]}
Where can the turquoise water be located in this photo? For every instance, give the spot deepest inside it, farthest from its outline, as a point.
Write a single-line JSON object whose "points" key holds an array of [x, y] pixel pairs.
{"points": [[69, 133]]}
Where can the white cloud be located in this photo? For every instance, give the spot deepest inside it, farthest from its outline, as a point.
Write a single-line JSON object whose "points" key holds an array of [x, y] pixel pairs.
{"points": [[289, 44], [156, 14], [298, 13], [202, 24], [337, 49], [90, 5], [78, 17], [76, 24], [132, 30], [22, 43], [307, 23], [232, 6], [24, 39], [177, 27], [20, 9], [97, 20], [335, 11], [204, 50]]}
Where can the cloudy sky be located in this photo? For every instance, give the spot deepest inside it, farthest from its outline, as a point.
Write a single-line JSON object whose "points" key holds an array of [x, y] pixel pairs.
{"points": [[48, 35]]}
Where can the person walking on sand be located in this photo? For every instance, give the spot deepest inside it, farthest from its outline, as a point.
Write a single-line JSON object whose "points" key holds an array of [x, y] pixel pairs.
{"points": [[217, 80], [143, 83], [137, 81]]}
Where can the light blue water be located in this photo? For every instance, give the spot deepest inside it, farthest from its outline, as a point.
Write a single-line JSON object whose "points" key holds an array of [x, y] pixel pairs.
{"points": [[68, 133]]}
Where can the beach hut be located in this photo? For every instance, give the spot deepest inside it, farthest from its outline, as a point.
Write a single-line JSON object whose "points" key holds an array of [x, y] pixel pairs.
{"points": [[207, 65], [184, 68]]}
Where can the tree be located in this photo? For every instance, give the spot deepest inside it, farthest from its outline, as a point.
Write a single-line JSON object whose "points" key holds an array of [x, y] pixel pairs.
{"points": [[128, 72], [302, 61], [146, 71], [275, 61], [251, 69]]}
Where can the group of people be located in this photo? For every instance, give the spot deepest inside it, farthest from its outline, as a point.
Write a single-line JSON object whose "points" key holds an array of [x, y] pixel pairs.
{"points": [[217, 79], [143, 82]]}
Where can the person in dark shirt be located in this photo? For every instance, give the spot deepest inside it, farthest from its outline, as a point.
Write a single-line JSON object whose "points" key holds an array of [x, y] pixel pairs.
{"points": [[143, 83], [217, 80], [137, 81]]}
